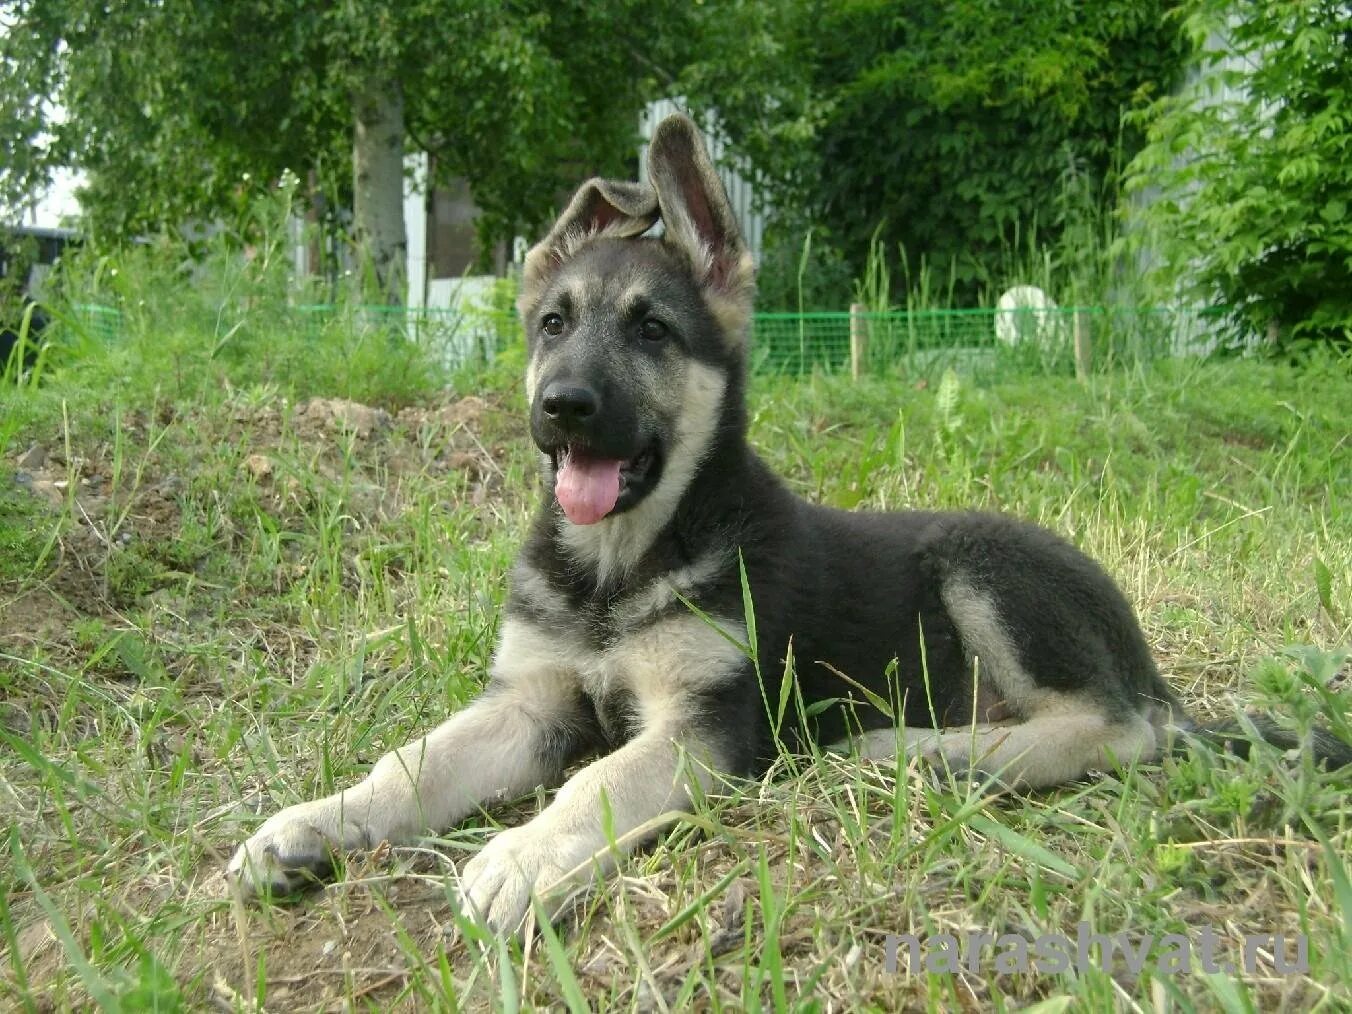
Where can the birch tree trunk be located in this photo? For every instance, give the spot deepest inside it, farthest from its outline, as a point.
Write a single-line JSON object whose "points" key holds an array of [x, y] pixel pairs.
{"points": [[378, 184]]}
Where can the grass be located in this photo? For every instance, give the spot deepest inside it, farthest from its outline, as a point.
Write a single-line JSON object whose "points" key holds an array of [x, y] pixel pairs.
{"points": [[218, 596]]}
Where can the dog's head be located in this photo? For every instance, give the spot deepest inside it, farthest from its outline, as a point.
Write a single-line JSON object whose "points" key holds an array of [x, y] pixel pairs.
{"points": [[633, 341]]}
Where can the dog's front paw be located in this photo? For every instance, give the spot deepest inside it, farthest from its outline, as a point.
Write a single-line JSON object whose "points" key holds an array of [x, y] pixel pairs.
{"points": [[497, 884], [292, 848]]}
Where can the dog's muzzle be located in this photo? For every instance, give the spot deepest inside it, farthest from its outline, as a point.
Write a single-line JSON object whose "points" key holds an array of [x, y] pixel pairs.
{"points": [[600, 468]]}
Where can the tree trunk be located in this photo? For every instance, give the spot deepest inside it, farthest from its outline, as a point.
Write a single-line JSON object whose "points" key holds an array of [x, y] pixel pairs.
{"points": [[378, 185]]}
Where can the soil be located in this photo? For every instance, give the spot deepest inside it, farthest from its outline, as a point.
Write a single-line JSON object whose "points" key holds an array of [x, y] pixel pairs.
{"points": [[109, 511]]}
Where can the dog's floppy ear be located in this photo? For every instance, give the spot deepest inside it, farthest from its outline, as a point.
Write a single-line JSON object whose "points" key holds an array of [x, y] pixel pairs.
{"points": [[599, 208], [699, 220]]}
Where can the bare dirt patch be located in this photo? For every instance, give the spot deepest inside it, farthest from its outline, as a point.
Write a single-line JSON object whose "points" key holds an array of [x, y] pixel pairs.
{"points": [[100, 509]]}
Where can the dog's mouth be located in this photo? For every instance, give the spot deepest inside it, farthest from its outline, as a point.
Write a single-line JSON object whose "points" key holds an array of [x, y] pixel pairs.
{"points": [[590, 488]]}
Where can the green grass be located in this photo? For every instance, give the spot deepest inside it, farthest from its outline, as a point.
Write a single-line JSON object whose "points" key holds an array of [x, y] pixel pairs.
{"points": [[237, 601]]}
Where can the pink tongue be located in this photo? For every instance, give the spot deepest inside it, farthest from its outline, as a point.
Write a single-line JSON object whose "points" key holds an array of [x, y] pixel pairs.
{"points": [[587, 488]]}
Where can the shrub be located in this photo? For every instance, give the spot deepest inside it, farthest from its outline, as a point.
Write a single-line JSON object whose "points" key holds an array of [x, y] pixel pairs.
{"points": [[1249, 169]]}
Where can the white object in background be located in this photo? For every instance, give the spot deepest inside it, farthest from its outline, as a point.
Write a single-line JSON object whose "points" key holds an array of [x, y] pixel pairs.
{"points": [[1026, 313]]}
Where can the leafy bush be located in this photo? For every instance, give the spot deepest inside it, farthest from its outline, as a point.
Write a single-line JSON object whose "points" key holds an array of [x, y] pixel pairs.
{"points": [[1252, 165], [948, 124], [801, 270]]}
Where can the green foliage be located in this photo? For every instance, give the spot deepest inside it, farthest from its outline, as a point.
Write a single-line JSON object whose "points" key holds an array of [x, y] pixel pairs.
{"points": [[197, 318], [947, 123], [18, 254], [1253, 167], [182, 111], [165, 124], [801, 270], [23, 529]]}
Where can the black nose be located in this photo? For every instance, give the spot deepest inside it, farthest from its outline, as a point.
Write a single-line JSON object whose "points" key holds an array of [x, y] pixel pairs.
{"points": [[566, 402]]}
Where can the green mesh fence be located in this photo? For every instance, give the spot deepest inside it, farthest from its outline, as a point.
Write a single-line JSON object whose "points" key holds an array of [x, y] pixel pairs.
{"points": [[102, 322], [460, 337], [977, 341], [899, 343]]}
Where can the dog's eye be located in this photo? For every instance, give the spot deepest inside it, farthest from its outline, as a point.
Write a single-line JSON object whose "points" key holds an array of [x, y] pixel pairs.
{"points": [[552, 325], [653, 330]]}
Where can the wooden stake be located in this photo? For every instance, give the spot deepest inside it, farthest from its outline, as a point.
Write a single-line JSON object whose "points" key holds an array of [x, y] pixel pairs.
{"points": [[858, 340], [1084, 346]]}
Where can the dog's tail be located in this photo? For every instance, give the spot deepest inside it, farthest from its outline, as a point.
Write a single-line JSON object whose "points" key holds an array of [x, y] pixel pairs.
{"points": [[1237, 736]]}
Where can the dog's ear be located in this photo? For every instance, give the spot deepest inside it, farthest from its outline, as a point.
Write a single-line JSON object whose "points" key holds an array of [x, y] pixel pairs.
{"points": [[599, 208], [699, 220]]}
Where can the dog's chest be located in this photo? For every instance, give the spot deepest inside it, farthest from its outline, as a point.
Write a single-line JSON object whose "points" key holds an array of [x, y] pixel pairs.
{"points": [[617, 712], [607, 681], [649, 676], [635, 652]]}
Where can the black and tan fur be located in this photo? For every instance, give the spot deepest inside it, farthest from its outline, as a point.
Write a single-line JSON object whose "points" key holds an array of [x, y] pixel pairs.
{"points": [[1014, 653]]}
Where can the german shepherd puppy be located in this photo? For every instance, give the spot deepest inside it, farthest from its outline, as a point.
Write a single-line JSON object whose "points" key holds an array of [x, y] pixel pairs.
{"points": [[994, 629]]}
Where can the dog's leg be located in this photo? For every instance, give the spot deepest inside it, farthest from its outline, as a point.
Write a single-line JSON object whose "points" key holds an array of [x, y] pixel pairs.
{"points": [[1076, 676], [683, 674], [610, 799], [913, 741], [519, 734], [1045, 750]]}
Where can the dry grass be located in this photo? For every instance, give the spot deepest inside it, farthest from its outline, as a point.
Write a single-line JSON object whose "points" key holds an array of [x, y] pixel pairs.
{"points": [[215, 606]]}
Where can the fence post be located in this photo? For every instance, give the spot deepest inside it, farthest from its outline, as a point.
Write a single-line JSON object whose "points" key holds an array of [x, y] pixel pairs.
{"points": [[1084, 346], [858, 340]]}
